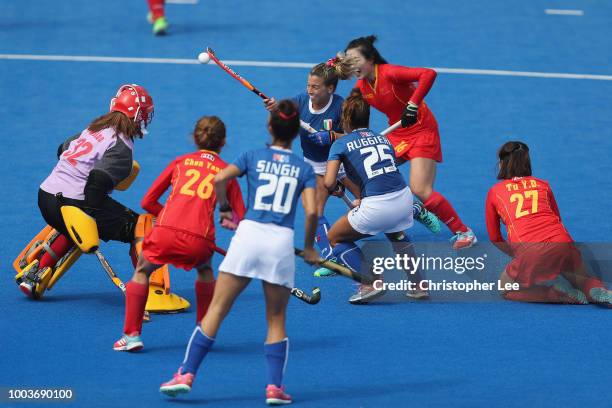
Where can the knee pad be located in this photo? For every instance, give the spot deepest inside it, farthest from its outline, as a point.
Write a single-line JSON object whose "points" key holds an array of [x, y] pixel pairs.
{"points": [[82, 228]]}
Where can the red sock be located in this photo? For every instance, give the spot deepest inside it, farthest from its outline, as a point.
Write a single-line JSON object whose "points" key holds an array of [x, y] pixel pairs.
{"points": [[437, 204], [60, 247], [157, 8], [539, 294], [136, 295], [204, 294]]}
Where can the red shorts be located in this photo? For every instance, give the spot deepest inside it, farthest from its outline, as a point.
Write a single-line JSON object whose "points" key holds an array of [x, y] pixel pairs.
{"points": [[179, 248], [424, 143], [540, 262]]}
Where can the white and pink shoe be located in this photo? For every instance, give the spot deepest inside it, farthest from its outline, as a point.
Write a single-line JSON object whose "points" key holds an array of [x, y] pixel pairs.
{"points": [[179, 384], [276, 395]]}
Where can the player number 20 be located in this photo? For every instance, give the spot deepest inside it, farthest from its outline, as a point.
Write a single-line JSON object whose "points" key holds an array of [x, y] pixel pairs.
{"points": [[377, 154], [204, 190], [282, 188], [520, 198]]}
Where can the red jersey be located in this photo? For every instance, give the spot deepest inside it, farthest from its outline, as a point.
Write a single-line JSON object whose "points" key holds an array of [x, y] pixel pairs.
{"points": [[391, 91], [191, 204], [527, 206]]}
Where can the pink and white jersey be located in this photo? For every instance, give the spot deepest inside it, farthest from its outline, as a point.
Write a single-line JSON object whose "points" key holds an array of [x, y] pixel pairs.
{"points": [[103, 150]]}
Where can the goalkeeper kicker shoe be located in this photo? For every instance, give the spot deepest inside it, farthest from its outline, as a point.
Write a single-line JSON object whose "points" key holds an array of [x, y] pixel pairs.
{"points": [[179, 384], [128, 343], [276, 395]]}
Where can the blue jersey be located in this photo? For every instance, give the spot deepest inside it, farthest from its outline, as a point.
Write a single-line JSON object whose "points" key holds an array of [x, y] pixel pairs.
{"points": [[276, 178], [369, 162], [327, 118]]}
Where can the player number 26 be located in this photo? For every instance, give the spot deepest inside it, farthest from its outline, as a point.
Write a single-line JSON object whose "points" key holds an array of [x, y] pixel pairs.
{"points": [[377, 154], [282, 188], [204, 189]]}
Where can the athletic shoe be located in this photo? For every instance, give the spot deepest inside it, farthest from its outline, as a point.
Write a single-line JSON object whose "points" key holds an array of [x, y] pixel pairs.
{"points": [[601, 296], [160, 26], [324, 273], [179, 384], [128, 343], [575, 296], [462, 240], [417, 294], [276, 395], [428, 219], [365, 294]]}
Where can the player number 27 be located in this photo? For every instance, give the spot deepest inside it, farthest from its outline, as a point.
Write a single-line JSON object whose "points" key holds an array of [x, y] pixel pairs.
{"points": [[377, 154], [282, 188], [204, 189], [521, 197]]}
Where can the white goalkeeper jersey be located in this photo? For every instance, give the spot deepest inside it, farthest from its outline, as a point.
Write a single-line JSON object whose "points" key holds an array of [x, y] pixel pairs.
{"points": [[104, 150]]}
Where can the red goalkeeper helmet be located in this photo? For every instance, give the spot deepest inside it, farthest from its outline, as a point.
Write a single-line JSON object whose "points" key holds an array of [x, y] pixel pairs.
{"points": [[135, 102]]}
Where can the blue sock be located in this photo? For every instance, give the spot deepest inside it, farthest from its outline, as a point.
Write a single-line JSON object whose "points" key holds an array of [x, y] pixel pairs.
{"points": [[348, 254], [276, 355], [321, 237], [402, 245], [199, 345]]}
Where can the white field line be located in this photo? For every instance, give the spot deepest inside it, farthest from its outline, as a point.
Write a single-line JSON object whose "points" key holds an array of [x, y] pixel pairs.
{"points": [[563, 12], [182, 2], [307, 65]]}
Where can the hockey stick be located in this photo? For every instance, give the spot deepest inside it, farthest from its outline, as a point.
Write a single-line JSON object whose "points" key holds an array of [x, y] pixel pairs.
{"points": [[340, 269], [312, 298], [252, 88], [115, 279], [248, 85], [391, 128]]}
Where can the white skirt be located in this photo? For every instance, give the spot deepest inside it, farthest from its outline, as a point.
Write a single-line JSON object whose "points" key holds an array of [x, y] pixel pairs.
{"points": [[261, 251], [391, 212]]}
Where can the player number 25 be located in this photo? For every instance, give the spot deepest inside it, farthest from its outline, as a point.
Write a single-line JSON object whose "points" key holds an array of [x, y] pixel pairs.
{"points": [[283, 188], [520, 197], [377, 154], [204, 189]]}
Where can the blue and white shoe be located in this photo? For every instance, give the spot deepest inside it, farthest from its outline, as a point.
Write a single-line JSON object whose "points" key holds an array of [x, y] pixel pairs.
{"points": [[601, 296], [426, 217], [323, 272], [576, 296], [462, 240], [128, 343]]}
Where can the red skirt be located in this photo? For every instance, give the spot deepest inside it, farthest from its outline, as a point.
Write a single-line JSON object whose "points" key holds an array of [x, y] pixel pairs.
{"points": [[540, 262], [176, 247], [424, 143]]}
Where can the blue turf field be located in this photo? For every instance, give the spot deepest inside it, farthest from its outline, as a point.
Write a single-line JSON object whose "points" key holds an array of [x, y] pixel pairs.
{"points": [[419, 355]]}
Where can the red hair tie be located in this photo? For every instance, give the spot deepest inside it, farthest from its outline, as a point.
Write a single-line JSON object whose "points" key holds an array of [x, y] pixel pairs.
{"points": [[331, 62], [287, 117]]}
